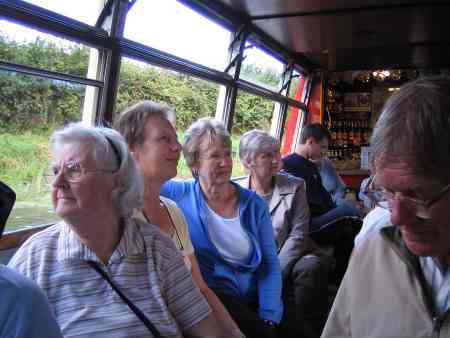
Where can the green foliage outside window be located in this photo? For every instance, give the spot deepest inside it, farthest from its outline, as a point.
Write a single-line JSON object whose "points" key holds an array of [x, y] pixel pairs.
{"points": [[32, 107]]}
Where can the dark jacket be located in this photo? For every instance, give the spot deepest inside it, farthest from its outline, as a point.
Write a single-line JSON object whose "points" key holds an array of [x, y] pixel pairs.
{"points": [[320, 200], [7, 199]]}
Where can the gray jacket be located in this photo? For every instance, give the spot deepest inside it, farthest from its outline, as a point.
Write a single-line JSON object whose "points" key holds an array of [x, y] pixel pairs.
{"points": [[384, 294], [289, 212]]}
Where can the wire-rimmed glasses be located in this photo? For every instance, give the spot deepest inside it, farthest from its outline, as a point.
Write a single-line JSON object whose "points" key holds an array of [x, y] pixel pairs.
{"points": [[384, 198], [73, 172]]}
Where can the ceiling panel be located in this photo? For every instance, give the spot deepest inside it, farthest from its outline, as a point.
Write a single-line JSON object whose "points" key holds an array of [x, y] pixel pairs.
{"points": [[350, 33], [269, 7]]}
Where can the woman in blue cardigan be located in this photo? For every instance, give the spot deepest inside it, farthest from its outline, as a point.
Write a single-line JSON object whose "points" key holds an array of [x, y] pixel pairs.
{"points": [[231, 231]]}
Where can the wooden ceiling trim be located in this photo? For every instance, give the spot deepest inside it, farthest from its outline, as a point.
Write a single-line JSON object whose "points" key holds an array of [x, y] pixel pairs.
{"points": [[340, 11]]}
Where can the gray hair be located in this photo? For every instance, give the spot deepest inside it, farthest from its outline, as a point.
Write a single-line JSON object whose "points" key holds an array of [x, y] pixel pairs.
{"points": [[131, 122], [253, 143], [415, 127], [206, 126], [107, 147]]}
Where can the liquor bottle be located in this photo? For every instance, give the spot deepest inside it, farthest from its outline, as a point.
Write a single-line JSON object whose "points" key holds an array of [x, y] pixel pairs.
{"points": [[367, 132], [351, 133], [338, 133], [333, 131]]}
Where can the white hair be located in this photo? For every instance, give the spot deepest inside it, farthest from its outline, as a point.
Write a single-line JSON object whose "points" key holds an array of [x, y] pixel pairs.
{"points": [[253, 143], [107, 147]]}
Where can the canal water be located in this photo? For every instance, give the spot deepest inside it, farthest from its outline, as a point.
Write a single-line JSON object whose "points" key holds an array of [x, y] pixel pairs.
{"points": [[25, 215]]}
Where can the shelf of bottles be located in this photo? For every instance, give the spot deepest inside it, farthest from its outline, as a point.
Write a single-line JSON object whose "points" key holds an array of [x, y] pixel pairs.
{"points": [[349, 122], [347, 137]]}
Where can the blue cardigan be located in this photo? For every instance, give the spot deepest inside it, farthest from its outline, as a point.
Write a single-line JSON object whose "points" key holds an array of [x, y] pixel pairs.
{"points": [[259, 281]]}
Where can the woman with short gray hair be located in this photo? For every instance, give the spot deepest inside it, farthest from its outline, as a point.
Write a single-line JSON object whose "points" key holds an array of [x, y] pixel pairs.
{"points": [[304, 268], [105, 273], [213, 129], [231, 231]]}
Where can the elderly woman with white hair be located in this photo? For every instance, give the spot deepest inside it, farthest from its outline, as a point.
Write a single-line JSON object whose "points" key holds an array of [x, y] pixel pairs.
{"points": [[231, 231], [105, 273], [304, 268]]}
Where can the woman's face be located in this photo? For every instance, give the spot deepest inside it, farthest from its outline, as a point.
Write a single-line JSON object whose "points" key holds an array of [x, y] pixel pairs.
{"points": [[83, 189], [158, 155], [266, 164], [215, 162]]}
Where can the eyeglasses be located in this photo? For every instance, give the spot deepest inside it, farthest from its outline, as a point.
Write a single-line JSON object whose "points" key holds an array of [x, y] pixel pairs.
{"points": [[73, 172], [218, 156], [385, 199], [274, 156]]}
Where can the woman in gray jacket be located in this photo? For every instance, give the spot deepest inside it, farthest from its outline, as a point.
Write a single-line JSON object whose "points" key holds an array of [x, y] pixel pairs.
{"points": [[304, 268]]}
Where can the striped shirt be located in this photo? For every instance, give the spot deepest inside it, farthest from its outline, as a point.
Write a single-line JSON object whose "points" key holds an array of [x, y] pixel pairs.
{"points": [[145, 266], [439, 282]]}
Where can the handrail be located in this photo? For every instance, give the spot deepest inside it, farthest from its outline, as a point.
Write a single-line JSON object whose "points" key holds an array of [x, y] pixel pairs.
{"points": [[14, 239]]}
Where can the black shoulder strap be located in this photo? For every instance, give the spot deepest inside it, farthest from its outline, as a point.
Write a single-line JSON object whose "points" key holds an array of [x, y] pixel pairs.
{"points": [[133, 307]]}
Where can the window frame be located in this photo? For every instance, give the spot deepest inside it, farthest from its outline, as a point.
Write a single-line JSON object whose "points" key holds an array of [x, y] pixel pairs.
{"points": [[107, 38]]}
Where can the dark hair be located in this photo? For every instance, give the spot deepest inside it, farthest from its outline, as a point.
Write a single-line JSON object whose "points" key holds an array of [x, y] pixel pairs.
{"points": [[316, 131], [414, 127]]}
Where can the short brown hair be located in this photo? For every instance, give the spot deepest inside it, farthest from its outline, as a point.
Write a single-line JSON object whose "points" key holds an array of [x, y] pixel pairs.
{"points": [[131, 122], [316, 131]]}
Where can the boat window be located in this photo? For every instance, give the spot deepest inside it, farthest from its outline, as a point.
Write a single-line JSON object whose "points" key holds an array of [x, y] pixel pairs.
{"points": [[251, 112], [85, 11], [297, 86], [260, 68], [44, 85], [185, 32], [31, 108], [29, 47], [291, 130]]}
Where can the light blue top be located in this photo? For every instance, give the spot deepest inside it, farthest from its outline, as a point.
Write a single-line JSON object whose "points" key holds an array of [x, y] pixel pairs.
{"points": [[439, 281], [332, 182], [256, 281], [24, 309]]}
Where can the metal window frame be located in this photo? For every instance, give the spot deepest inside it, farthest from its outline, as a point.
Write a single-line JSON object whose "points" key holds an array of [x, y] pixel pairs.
{"points": [[112, 47]]}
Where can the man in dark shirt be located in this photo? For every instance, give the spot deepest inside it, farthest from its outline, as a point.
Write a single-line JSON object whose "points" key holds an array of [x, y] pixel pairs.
{"points": [[314, 142], [327, 225], [319, 199]]}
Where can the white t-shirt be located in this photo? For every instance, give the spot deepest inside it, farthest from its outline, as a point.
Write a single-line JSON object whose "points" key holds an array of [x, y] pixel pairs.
{"points": [[229, 237], [376, 219]]}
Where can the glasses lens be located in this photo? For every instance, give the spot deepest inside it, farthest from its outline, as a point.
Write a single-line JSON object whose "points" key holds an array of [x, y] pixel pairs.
{"points": [[73, 172]]}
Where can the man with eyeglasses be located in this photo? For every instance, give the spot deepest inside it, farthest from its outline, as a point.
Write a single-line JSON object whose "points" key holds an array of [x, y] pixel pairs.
{"points": [[398, 281]]}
